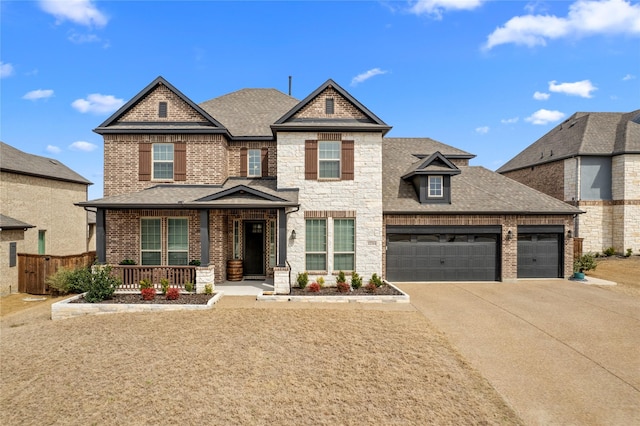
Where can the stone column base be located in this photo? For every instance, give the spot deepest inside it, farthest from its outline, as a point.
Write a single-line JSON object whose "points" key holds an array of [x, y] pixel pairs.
{"points": [[204, 276], [281, 283]]}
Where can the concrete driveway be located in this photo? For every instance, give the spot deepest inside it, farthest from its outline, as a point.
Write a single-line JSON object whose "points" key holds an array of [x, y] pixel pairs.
{"points": [[558, 352]]}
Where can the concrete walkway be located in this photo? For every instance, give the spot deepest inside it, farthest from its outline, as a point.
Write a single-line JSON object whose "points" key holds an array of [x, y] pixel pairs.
{"points": [[558, 352]]}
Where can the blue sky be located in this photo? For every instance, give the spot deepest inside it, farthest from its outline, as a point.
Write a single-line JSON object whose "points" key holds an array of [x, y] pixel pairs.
{"points": [[489, 77]]}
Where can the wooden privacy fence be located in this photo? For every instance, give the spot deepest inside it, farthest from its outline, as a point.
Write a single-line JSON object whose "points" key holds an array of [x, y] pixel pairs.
{"points": [[577, 248], [132, 275], [34, 269]]}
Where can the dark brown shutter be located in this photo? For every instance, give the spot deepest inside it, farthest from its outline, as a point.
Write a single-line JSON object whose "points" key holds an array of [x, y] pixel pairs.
{"points": [[311, 160], [180, 161], [243, 161], [347, 160], [264, 157], [144, 161]]}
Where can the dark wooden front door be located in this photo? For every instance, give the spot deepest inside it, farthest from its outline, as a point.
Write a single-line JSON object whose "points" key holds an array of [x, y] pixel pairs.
{"points": [[254, 232]]}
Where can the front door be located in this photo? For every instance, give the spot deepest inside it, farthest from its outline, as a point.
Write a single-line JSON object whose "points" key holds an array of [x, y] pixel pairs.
{"points": [[254, 247]]}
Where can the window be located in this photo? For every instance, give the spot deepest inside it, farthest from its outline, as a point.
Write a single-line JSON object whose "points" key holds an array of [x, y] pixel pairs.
{"points": [[435, 186], [150, 239], [178, 244], [328, 106], [162, 161], [42, 242], [254, 158], [343, 245], [162, 110], [329, 160], [316, 244]]}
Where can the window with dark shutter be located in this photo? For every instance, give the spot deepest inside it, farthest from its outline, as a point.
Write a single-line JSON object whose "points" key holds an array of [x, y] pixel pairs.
{"points": [[265, 162], [162, 110], [347, 160], [311, 160], [328, 104], [243, 162], [144, 161], [180, 161]]}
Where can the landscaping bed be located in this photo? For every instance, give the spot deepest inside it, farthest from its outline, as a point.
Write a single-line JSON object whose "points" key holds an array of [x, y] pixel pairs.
{"points": [[136, 298], [384, 290]]}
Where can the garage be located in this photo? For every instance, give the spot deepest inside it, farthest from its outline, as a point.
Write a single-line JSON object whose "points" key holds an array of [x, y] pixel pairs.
{"points": [[435, 253], [540, 252]]}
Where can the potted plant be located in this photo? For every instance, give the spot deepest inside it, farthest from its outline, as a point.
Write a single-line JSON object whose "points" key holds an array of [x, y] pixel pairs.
{"points": [[586, 262]]}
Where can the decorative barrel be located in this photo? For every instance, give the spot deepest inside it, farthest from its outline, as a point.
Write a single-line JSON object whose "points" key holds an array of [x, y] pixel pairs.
{"points": [[234, 270]]}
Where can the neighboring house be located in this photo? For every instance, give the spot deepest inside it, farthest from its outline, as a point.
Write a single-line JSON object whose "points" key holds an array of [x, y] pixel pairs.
{"points": [[11, 240], [42, 192], [591, 161], [313, 185]]}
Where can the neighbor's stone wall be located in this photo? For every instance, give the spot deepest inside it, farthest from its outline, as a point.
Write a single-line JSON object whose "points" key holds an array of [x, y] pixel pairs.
{"points": [[147, 108], [360, 198], [9, 275], [509, 251], [49, 205], [206, 160], [547, 178], [571, 179], [595, 226]]}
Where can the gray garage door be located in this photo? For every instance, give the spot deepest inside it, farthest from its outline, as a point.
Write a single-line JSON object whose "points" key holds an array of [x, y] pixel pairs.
{"points": [[540, 252], [425, 255]]}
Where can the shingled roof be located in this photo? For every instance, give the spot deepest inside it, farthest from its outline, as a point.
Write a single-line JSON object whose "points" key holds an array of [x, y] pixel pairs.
{"points": [[7, 223], [15, 161], [584, 133], [250, 112], [475, 190]]}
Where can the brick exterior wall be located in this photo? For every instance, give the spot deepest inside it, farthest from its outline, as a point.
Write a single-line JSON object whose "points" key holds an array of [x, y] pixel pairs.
{"points": [[509, 248], [233, 154], [342, 107], [547, 178], [147, 108]]}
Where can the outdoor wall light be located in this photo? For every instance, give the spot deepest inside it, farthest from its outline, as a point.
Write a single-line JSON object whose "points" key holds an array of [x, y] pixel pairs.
{"points": [[509, 235], [293, 234], [569, 234]]}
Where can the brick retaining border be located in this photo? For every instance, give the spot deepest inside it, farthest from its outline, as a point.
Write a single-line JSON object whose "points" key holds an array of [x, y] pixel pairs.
{"points": [[404, 298], [64, 310]]}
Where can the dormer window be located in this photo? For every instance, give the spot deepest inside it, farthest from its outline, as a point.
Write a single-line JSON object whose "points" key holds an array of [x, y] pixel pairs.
{"points": [[162, 110], [435, 187], [328, 106]]}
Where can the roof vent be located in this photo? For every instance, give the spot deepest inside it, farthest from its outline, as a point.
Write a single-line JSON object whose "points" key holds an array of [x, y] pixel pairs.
{"points": [[53, 162]]}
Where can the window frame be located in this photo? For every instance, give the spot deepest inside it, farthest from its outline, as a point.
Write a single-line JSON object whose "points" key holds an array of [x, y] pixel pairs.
{"points": [[351, 252], [162, 161], [169, 250], [440, 181], [257, 154], [310, 251], [142, 241], [330, 160]]}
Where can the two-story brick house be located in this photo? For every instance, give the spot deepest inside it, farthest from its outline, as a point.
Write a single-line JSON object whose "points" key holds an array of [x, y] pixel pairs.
{"points": [[592, 161], [290, 186]]}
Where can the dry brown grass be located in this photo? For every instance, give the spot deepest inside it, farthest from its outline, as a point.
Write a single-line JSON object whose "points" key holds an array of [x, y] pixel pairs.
{"points": [[625, 271], [272, 364]]}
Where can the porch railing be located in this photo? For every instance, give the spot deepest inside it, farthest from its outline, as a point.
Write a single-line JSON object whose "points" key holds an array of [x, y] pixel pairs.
{"points": [[131, 275]]}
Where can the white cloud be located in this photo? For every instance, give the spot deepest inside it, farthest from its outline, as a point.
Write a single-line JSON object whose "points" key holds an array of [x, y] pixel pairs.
{"points": [[366, 76], [579, 88], [510, 120], [83, 38], [628, 77], [6, 70], [544, 116], [82, 146], [82, 12], [435, 8], [482, 130], [34, 95], [98, 104], [540, 96], [585, 17], [53, 149]]}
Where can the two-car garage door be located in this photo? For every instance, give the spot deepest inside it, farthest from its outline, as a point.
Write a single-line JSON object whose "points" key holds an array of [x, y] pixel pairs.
{"points": [[427, 253]]}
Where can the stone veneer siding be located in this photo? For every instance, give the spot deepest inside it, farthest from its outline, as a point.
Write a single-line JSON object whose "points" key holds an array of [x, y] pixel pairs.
{"points": [[362, 197], [547, 178], [509, 250]]}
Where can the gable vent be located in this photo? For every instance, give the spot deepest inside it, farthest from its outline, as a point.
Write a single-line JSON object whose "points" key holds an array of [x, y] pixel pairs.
{"points": [[328, 103], [162, 110]]}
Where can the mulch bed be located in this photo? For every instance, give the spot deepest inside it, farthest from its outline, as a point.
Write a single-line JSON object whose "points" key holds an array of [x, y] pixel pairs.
{"points": [[136, 298], [384, 290]]}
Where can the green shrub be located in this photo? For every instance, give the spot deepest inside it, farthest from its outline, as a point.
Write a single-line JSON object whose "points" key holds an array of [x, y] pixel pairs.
{"points": [[302, 279], [586, 262], [356, 280], [128, 262], [320, 282], [164, 284], [376, 280], [188, 286], [208, 289], [66, 281], [628, 253], [194, 262], [341, 278], [145, 283], [102, 286], [609, 251]]}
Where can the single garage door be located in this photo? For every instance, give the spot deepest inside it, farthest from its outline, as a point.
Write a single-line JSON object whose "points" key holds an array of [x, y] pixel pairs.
{"points": [[540, 252], [442, 254]]}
